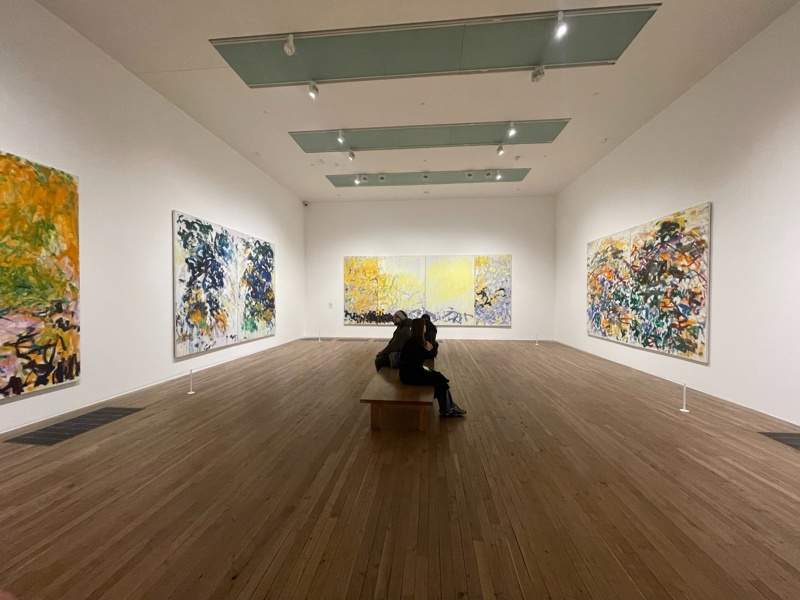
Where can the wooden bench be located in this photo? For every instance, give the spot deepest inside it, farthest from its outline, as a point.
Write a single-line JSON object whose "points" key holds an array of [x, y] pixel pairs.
{"points": [[385, 390]]}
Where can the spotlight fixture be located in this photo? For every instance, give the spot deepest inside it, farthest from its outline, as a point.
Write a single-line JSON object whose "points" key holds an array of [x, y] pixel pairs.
{"points": [[537, 74], [500, 150], [512, 131], [288, 46], [499, 176], [351, 155], [357, 180], [340, 137], [561, 26], [313, 90]]}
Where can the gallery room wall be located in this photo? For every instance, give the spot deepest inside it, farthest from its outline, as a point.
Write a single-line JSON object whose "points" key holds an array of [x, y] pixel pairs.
{"points": [[733, 140], [522, 227], [67, 105]]}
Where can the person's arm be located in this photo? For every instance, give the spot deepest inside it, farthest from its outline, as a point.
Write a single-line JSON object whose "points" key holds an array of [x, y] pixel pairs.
{"points": [[390, 346], [401, 336], [385, 351]]}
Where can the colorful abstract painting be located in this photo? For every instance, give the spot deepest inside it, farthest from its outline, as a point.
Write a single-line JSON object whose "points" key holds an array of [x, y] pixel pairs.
{"points": [[493, 290], [454, 290], [648, 286], [224, 290], [39, 277], [378, 286], [256, 264]]}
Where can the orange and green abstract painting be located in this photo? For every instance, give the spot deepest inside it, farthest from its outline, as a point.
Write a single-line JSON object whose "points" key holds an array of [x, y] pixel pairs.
{"points": [[457, 290], [648, 286], [39, 277]]}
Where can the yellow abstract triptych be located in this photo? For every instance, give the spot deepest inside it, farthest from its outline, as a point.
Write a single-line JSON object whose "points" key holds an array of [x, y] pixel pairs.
{"points": [[471, 291]]}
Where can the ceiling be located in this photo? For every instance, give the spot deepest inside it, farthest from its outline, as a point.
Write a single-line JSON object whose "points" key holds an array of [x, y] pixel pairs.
{"points": [[167, 45]]}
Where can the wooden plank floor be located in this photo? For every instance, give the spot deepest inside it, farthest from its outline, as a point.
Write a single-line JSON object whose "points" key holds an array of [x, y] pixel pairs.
{"points": [[571, 477]]}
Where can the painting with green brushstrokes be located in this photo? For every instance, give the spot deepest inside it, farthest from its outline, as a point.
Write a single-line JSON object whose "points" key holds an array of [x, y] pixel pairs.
{"points": [[649, 286], [39, 277]]}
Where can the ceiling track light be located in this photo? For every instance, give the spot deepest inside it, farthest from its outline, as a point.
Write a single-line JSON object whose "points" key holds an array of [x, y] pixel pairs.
{"points": [[357, 180], [537, 74], [561, 26], [351, 155], [340, 138], [498, 176], [313, 90], [500, 150], [288, 46], [512, 130]]}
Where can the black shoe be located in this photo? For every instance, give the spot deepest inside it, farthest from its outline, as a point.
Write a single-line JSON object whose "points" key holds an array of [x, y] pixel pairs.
{"points": [[458, 409], [451, 413]]}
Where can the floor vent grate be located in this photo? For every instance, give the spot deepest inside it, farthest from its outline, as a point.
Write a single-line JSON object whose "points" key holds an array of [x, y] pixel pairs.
{"points": [[790, 439], [58, 432]]}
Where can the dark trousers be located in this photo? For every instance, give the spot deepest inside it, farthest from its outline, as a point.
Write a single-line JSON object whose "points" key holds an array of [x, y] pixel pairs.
{"points": [[440, 383]]}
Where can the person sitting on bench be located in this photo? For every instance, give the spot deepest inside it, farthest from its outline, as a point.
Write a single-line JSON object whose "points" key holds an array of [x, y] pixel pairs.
{"points": [[413, 372], [390, 356], [430, 334]]}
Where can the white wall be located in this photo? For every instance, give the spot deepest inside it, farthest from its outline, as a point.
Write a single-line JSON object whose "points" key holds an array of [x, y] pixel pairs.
{"points": [[522, 227], [66, 104], [734, 140]]}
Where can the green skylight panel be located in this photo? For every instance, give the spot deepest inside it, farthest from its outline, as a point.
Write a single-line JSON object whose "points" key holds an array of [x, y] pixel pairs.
{"points": [[504, 43], [428, 177], [429, 136]]}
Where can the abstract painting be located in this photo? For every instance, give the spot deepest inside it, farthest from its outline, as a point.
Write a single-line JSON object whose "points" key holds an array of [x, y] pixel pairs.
{"points": [[454, 290], [649, 286], [450, 290], [39, 277], [378, 286], [224, 290], [493, 290], [256, 264]]}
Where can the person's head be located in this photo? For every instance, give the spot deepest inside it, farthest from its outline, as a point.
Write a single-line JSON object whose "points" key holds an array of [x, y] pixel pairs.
{"points": [[427, 318], [399, 317], [418, 330]]}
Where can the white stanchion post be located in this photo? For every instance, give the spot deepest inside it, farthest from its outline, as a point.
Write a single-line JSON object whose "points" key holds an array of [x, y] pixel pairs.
{"points": [[536, 337], [684, 409], [191, 383]]}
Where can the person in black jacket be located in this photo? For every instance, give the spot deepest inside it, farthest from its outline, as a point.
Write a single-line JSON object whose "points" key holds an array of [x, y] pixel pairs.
{"points": [[413, 372], [390, 355], [430, 333]]}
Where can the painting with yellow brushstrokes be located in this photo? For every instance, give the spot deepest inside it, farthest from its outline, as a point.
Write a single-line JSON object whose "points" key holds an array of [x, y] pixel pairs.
{"points": [[450, 290], [454, 290], [223, 286], [39, 277], [377, 286], [648, 286]]}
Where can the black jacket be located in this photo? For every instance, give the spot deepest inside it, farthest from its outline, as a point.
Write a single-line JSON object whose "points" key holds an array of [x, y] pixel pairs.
{"points": [[411, 360], [401, 335]]}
